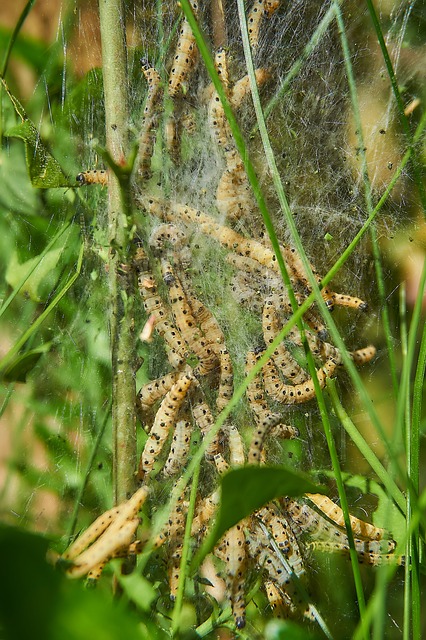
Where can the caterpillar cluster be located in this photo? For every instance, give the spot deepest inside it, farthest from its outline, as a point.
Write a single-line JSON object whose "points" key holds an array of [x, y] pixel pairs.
{"points": [[180, 407]]}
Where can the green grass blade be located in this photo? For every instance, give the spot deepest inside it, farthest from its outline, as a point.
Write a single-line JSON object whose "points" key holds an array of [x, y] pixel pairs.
{"points": [[4, 363]]}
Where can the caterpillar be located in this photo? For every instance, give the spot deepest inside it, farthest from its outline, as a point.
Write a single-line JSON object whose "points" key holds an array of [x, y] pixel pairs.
{"points": [[179, 448], [294, 394], [231, 549], [205, 511], [226, 380], [109, 533], [329, 536], [103, 549], [368, 551], [92, 176], [335, 514], [283, 536], [265, 419], [185, 57], [233, 193], [259, 9], [185, 321], [282, 358], [153, 305], [236, 447], [166, 236], [92, 533], [156, 389], [205, 421], [150, 120], [220, 463], [231, 239], [164, 420]]}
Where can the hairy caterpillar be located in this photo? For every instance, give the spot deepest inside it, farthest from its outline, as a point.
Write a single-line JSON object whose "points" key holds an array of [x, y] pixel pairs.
{"points": [[164, 420], [184, 58], [92, 176]]}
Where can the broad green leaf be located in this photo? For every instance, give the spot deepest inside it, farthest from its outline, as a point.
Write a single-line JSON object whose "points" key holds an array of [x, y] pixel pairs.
{"points": [[249, 488], [42, 273], [23, 364], [45, 172]]}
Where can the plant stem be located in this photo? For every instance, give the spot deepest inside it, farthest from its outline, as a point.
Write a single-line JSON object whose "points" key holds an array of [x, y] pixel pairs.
{"points": [[111, 13]]}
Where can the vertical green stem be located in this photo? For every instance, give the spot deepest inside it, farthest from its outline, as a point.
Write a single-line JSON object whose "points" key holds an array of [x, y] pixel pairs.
{"points": [[114, 66]]}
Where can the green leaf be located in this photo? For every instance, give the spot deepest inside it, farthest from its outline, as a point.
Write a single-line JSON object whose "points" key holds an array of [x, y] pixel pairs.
{"points": [[21, 365], [285, 630], [249, 488], [137, 588], [36, 601], [45, 172], [42, 274]]}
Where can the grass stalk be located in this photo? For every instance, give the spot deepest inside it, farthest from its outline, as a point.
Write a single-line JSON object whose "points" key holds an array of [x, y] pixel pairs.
{"points": [[114, 66]]}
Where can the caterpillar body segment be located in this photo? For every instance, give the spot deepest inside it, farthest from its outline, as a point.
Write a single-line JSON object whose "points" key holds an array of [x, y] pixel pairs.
{"points": [[92, 176], [176, 534], [332, 511], [221, 64], [179, 448], [233, 194], [282, 358], [185, 57], [165, 418]]}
